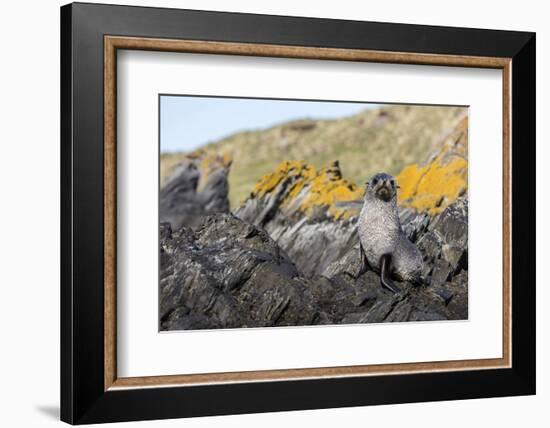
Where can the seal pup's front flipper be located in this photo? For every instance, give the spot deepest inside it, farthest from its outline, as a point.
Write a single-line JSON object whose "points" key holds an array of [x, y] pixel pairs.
{"points": [[364, 261], [385, 264]]}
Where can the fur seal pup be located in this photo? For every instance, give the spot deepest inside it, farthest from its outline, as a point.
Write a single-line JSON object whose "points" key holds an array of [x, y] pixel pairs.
{"points": [[383, 244]]}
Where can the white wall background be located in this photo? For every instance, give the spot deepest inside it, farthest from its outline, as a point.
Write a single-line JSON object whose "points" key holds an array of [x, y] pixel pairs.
{"points": [[29, 213]]}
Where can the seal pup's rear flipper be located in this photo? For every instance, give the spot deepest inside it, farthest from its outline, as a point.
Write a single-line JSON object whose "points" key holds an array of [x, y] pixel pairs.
{"points": [[385, 263]]}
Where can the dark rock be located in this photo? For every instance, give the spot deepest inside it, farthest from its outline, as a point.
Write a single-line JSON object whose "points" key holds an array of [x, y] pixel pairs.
{"points": [[452, 224], [193, 192], [430, 245], [229, 274], [455, 256], [444, 293], [413, 224], [313, 246], [178, 196], [350, 263], [440, 272], [343, 295], [382, 309], [458, 304], [276, 299]]}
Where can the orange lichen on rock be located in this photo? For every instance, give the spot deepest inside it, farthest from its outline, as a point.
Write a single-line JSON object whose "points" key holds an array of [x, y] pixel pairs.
{"points": [[433, 186], [208, 162], [326, 189], [296, 172], [296, 187], [307, 190]]}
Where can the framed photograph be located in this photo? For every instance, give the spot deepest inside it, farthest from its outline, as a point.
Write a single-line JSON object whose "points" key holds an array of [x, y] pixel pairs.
{"points": [[266, 213]]}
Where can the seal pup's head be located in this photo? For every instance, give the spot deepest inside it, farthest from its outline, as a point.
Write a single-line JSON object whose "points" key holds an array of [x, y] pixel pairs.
{"points": [[383, 187]]}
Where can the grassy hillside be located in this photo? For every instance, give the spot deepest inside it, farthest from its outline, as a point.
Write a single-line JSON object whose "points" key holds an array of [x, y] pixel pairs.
{"points": [[385, 139]]}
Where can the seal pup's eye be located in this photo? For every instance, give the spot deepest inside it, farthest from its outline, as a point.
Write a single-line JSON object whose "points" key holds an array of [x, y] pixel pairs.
{"points": [[374, 181]]}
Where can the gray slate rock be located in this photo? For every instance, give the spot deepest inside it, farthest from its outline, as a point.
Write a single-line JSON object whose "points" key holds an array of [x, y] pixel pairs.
{"points": [[186, 197], [230, 273]]}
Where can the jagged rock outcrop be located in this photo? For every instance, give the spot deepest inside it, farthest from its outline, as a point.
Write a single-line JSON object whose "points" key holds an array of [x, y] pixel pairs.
{"points": [[197, 187], [230, 273], [298, 206]]}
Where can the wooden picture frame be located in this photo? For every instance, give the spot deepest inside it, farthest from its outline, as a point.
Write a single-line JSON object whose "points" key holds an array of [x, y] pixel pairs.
{"points": [[91, 391]]}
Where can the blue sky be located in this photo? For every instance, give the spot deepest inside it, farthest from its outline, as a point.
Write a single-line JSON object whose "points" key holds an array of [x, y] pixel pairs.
{"points": [[188, 122]]}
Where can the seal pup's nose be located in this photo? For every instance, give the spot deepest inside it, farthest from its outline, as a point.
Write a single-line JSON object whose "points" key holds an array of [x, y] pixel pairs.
{"points": [[385, 188]]}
